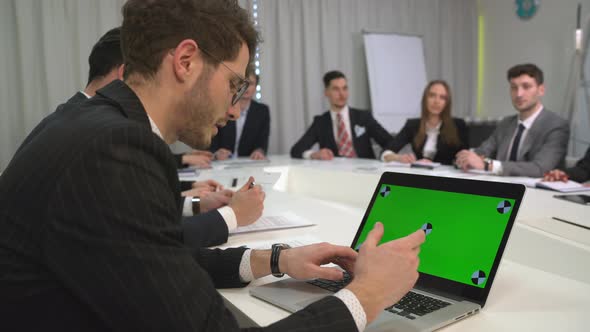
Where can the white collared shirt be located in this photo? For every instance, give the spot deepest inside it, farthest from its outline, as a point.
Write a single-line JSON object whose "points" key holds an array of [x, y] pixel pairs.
{"points": [[227, 213], [429, 150], [528, 123], [240, 129]]}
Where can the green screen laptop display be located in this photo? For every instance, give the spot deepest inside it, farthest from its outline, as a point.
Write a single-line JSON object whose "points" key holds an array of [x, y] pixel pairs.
{"points": [[463, 231]]}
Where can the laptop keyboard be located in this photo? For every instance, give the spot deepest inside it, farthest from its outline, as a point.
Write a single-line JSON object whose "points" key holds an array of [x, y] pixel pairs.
{"points": [[411, 306]]}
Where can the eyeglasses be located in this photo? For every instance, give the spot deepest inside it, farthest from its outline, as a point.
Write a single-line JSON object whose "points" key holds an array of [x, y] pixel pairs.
{"points": [[240, 88]]}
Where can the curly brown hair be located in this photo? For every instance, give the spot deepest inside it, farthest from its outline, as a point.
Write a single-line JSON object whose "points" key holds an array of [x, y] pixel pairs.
{"points": [[152, 27]]}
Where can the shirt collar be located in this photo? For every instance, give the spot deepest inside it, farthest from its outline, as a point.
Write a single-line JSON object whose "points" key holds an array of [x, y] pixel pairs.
{"points": [[528, 123], [343, 112], [155, 129], [85, 94]]}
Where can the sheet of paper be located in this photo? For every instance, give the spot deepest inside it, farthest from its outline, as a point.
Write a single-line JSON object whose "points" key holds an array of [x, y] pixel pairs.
{"points": [[298, 241], [396, 164], [564, 187], [426, 164], [266, 223], [238, 163]]}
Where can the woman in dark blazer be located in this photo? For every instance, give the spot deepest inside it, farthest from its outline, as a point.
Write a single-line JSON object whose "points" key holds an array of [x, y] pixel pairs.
{"points": [[435, 136]]}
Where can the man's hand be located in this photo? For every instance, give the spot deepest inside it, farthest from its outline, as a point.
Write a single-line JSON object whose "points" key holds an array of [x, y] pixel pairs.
{"points": [[209, 185], [196, 192], [323, 154], [215, 200], [384, 274], [198, 158], [400, 158], [555, 175], [222, 154], [467, 160], [257, 154], [248, 203], [304, 262]]}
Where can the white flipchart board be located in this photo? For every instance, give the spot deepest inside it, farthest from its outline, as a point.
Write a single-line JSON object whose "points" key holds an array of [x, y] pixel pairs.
{"points": [[397, 77]]}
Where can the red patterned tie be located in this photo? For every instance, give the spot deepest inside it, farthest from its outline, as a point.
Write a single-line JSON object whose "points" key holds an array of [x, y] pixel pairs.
{"points": [[345, 148]]}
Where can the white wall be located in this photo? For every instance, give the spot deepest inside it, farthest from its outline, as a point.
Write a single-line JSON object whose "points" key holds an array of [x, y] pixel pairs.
{"points": [[546, 40]]}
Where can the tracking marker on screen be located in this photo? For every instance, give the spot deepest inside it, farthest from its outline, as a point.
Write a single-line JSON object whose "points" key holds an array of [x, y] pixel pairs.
{"points": [[504, 207]]}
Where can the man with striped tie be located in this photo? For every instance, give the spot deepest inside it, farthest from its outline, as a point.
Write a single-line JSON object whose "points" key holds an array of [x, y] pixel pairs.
{"points": [[342, 131]]}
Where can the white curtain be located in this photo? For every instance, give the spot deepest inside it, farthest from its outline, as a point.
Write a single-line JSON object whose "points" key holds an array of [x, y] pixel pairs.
{"points": [[46, 43], [303, 39], [44, 59]]}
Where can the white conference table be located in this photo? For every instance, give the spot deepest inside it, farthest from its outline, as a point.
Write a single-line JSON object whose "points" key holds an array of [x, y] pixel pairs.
{"points": [[543, 282]]}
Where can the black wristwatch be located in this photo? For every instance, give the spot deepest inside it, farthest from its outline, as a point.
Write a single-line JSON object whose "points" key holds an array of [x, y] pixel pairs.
{"points": [[196, 205], [274, 258]]}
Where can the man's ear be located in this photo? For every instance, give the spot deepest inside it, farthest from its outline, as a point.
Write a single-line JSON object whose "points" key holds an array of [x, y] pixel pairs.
{"points": [[120, 71], [187, 60], [542, 90]]}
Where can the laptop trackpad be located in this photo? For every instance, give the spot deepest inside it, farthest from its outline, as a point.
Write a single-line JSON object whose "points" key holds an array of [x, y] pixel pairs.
{"points": [[289, 294]]}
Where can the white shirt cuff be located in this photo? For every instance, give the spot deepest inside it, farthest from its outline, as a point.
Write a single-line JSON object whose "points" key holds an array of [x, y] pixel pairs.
{"points": [[354, 306], [307, 154], [246, 274], [497, 167], [228, 214], [187, 207], [386, 153]]}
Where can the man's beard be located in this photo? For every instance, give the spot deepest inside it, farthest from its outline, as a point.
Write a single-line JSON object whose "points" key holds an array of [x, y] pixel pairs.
{"points": [[199, 112]]}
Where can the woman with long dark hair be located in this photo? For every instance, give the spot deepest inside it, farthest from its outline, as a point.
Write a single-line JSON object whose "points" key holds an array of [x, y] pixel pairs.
{"points": [[435, 136]]}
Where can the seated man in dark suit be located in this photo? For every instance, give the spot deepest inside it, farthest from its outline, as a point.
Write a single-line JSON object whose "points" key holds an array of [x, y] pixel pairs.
{"points": [[579, 173], [342, 131], [528, 144], [247, 136], [106, 65], [214, 222], [103, 248]]}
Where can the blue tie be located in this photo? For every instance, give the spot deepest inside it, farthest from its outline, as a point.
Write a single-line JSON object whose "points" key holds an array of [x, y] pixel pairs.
{"points": [[516, 143]]}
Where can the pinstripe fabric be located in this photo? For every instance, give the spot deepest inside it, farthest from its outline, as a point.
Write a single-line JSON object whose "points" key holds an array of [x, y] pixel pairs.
{"points": [[103, 248]]}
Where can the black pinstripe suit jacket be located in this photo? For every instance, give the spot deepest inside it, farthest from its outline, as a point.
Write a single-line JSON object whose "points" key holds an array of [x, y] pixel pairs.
{"points": [[90, 236], [203, 230]]}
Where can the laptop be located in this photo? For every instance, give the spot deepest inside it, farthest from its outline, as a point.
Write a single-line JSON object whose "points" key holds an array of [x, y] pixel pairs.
{"points": [[467, 225]]}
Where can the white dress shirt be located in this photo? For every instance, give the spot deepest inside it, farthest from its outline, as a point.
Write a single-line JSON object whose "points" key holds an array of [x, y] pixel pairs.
{"points": [[528, 123], [429, 150], [240, 129]]}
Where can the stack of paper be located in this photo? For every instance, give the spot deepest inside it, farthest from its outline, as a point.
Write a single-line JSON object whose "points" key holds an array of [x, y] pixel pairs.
{"points": [[267, 223], [564, 187]]}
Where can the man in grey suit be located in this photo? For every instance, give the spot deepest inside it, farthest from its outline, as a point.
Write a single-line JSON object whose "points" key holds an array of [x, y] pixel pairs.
{"points": [[528, 144]]}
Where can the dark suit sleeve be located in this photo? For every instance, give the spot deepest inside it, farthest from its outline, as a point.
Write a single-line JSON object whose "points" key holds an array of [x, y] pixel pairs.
{"points": [[404, 137], [463, 132], [178, 159], [204, 230], [308, 139], [580, 172], [377, 132]]}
